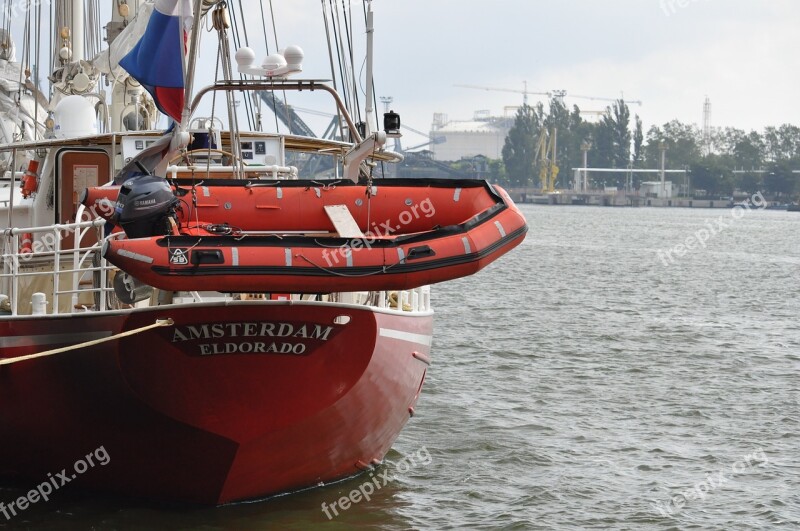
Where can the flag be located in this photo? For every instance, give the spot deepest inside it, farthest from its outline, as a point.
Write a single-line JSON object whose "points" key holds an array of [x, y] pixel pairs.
{"points": [[157, 59]]}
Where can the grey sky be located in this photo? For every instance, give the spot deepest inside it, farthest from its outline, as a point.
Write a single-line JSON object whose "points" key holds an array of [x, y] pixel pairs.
{"points": [[670, 54], [742, 54]]}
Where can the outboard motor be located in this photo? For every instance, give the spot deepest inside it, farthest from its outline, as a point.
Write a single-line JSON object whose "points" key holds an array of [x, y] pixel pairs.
{"points": [[144, 205]]}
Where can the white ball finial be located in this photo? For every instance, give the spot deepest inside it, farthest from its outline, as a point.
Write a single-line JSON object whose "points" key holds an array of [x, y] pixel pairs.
{"points": [[293, 54], [245, 57]]}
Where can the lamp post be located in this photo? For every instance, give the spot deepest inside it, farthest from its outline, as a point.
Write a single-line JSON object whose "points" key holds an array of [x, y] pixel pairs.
{"points": [[663, 148], [585, 146]]}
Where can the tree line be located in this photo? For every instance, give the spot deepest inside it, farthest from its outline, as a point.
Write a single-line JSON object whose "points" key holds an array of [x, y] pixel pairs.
{"points": [[719, 163]]}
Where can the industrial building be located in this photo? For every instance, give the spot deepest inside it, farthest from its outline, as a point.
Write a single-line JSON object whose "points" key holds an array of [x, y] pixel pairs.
{"points": [[483, 135]]}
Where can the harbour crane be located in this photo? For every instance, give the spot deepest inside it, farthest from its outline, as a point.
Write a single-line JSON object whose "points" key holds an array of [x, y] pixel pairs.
{"points": [[559, 94], [524, 91], [546, 159], [622, 97]]}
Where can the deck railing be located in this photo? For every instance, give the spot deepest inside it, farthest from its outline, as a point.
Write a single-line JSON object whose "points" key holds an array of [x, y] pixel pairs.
{"points": [[70, 270]]}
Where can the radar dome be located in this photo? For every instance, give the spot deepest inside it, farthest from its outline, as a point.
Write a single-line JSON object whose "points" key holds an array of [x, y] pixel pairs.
{"points": [[74, 116]]}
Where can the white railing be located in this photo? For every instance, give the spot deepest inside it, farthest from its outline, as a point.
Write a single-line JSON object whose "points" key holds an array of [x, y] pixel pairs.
{"points": [[47, 252], [411, 300], [273, 171]]}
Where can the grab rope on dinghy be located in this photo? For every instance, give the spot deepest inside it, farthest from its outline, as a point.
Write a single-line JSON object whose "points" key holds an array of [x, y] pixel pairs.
{"points": [[383, 269]]}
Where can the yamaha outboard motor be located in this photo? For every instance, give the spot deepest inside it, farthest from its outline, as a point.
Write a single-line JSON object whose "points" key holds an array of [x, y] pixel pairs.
{"points": [[144, 206]]}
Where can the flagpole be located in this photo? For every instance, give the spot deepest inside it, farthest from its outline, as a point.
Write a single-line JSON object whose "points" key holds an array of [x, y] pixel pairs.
{"points": [[190, 68]]}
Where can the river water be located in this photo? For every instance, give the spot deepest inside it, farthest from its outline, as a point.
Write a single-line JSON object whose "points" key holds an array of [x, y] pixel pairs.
{"points": [[599, 376]]}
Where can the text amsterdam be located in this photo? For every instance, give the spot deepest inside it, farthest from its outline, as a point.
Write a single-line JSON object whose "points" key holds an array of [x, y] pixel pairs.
{"points": [[243, 338]]}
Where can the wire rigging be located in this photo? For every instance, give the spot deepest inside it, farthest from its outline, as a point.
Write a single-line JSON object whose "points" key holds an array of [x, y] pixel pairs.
{"points": [[335, 24], [227, 72], [274, 26], [263, 25]]}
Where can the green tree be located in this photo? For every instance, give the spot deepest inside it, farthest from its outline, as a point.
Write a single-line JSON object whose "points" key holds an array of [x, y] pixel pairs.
{"points": [[612, 141], [749, 152], [749, 182], [497, 172], [614, 136], [713, 175], [519, 149], [780, 180], [682, 141], [781, 143]]}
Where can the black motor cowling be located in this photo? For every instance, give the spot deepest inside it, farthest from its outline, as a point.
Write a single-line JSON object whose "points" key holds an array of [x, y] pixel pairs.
{"points": [[144, 205]]}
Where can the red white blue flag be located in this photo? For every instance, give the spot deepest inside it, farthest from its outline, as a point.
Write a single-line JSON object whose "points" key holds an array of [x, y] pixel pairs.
{"points": [[157, 60]]}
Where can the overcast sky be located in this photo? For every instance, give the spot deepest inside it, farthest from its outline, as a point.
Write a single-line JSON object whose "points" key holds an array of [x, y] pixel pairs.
{"points": [[743, 54], [671, 54]]}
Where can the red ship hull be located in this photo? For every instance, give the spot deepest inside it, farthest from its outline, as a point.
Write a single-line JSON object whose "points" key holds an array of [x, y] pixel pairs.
{"points": [[236, 400]]}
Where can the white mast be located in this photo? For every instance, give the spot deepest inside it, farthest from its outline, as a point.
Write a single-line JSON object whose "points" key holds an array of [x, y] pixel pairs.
{"points": [[370, 109], [190, 63], [124, 93], [77, 30]]}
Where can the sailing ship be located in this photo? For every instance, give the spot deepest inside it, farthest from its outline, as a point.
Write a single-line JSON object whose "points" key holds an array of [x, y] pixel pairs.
{"points": [[124, 320]]}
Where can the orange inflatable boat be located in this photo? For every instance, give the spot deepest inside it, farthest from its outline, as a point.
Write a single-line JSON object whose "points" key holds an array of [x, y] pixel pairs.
{"points": [[307, 237]]}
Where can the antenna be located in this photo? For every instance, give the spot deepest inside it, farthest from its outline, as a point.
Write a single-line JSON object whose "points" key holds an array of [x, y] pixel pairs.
{"points": [[387, 101]]}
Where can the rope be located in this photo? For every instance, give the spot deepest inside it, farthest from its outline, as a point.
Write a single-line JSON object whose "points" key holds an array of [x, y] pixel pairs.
{"points": [[263, 25], [274, 27], [383, 269], [333, 68], [158, 323], [345, 90], [247, 101]]}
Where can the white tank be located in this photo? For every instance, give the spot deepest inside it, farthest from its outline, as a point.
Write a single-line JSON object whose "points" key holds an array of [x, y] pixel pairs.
{"points": [[74, 116]]}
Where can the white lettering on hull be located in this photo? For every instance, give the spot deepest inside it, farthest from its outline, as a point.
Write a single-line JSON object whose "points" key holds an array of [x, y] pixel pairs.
{"points": [[219, 330], [256, 347], [243, 337]]}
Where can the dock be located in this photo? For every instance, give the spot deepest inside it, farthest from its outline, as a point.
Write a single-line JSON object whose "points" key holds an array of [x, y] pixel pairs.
{"points": [[618, 198]]}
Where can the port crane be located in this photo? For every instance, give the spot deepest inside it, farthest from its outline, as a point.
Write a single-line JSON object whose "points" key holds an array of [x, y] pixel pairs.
{"points": [[546, 159], [556, 94], [525, 92]]}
